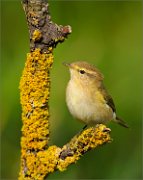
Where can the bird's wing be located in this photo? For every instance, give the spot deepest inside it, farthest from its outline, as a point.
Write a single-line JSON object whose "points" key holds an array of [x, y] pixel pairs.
{"points": [[108, 99], [110, 102]]}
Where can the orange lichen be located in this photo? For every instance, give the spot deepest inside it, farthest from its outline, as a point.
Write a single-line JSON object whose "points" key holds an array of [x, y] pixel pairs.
{"points": [[41, 163], [59, 39], [88, 139], [34, 96], [63, 164], [36, 35], [49, 159]]}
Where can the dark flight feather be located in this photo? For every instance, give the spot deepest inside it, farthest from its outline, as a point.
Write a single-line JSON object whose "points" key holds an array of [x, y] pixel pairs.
{"points": [[108, 98], [110, 103]]}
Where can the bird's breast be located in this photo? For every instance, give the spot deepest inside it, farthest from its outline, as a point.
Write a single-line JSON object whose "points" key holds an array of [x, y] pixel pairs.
{"points": [[87, 105]]}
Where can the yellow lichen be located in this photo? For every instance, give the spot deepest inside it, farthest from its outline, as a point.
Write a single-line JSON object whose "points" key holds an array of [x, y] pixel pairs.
{"points": [[36, 35], [41, 163], [61, 38], [88, 139], [49, 159], [63, 164], [34, 96]]}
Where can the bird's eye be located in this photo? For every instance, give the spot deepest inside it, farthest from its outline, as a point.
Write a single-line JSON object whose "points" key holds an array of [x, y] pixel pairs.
{"points": [[81, 71]]}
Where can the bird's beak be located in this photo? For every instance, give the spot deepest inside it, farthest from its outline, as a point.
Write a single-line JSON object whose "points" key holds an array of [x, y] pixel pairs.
{"points": [[66, 64]]}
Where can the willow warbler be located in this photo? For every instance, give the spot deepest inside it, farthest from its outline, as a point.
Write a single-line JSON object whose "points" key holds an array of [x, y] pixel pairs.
{"points": [[86, 97]]}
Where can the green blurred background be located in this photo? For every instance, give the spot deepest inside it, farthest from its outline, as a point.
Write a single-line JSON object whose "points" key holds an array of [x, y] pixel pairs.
{"points": [[107, 34]]}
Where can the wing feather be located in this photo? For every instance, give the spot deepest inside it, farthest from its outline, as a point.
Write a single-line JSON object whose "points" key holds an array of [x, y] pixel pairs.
{"points": [[108, 99]]}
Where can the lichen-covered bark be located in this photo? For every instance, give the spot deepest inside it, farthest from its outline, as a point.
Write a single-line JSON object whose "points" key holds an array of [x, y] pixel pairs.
{"points": [[34, 96], [82, 143], [43, 32], [37, 158]]}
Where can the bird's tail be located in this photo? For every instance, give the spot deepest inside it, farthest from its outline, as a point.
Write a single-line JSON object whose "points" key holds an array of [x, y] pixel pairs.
{"points": [[121, 122]]}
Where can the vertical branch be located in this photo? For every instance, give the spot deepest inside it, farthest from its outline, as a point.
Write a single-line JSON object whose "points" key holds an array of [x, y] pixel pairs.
{"points": [[35, 84], [43, 32]]}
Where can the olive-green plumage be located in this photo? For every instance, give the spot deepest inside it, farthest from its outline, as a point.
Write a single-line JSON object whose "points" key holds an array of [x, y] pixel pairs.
{"points": [[86, 96]]}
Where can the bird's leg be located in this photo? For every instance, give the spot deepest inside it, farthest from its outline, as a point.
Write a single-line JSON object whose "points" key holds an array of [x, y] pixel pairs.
{"points": [[84, 127]]}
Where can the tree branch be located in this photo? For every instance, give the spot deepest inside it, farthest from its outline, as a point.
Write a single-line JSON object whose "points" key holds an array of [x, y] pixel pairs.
{"points": [[43, 32], [37, 158]]}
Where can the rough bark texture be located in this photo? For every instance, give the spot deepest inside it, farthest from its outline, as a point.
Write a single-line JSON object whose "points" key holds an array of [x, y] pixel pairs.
{"points": [[37, 158], [43, 32]]}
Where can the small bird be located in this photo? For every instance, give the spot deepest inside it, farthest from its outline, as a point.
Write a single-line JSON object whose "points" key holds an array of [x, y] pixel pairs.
{"points": [[86, 97]]}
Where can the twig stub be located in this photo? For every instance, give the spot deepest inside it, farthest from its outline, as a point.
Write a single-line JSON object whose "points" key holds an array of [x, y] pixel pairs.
{"points": [[43, 32]]}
